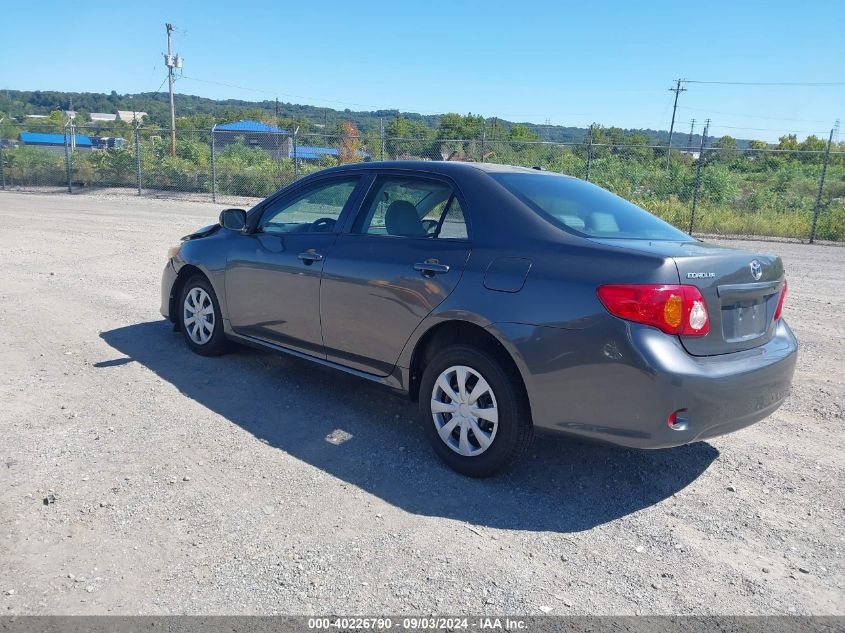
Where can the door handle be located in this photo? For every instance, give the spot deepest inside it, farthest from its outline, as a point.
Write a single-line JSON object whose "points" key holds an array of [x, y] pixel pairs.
{"points": [[429, 269], [309, 257]]}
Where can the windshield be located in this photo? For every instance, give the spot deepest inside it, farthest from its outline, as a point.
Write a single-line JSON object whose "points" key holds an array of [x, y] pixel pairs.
{"points": [[585, 209]]}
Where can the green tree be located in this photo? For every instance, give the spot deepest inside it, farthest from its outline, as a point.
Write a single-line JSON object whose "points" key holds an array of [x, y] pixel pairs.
{"points": [[519, 132], [454, 126], [813, 144], [8, 129], [400, 127]]}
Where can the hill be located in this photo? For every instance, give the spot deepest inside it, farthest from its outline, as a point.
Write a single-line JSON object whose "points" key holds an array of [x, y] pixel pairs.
{"points": [[20, 103]]}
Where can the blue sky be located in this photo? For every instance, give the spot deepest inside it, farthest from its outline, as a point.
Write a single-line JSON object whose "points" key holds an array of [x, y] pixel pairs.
{"points": [[565, 62]]}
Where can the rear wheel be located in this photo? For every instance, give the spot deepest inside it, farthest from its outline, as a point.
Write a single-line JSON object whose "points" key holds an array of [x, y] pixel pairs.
{"points": [[476, 413], [200, 319]]}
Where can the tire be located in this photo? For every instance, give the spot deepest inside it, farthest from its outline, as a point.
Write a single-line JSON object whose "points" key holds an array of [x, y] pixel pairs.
{"points": [[506, 440], [207, 339]]}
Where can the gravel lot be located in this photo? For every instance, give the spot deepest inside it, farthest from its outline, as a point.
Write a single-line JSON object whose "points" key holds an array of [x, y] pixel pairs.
{"points": [[137, 477]]}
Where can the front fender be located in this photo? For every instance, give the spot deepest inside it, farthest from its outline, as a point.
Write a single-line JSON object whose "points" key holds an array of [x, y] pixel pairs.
{"points": [[208, 255]]}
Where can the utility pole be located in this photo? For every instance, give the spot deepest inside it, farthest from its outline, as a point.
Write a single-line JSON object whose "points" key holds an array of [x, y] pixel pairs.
{"points": [[589, 154], [171, 62], [68, 168], [72, 134], [691, 132], [276, 131], [677, 90], [816, 207], [137, 140], [381, 131], [698, 174], [295, 156], [213, 166], [483, 132], [2, 173]]}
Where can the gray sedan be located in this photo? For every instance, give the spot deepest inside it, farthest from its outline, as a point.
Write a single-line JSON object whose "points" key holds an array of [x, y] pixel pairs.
{"points": [[505, 300]]}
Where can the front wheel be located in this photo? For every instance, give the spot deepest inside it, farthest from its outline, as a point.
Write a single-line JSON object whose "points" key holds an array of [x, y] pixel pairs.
{"points": [[476, 412], [200, 319]]}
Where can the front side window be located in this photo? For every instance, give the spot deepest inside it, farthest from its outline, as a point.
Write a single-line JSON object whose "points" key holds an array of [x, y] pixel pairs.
{"points": [[315, 210], [412, 207], [585, 209]]}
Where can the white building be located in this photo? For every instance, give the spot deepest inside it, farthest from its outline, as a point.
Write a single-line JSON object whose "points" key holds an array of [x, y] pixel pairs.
{"points": [[126, 115]]}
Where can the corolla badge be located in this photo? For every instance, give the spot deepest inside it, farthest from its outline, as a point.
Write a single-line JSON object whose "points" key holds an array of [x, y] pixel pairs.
{"points": [[756, 269]]}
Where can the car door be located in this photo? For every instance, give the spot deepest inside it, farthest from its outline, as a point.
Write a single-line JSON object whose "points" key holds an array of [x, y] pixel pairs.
{"points": [[273, 271], [404, 254]]}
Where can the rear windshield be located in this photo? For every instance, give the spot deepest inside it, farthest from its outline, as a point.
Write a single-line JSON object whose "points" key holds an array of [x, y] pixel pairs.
{"points": [[585, 209]]}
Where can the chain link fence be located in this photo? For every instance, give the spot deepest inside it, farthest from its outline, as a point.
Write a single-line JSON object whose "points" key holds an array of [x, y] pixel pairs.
{"points": [[723, 192]]}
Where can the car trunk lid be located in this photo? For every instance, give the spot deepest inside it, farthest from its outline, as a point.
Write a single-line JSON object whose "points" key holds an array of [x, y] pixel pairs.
{"points": [[741, 290]]}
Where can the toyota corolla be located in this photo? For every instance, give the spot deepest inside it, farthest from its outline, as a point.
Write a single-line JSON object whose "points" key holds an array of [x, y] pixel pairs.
{"points": [[505, 300]]}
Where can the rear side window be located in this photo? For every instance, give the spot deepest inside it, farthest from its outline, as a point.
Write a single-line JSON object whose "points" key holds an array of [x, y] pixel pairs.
{"points": [[585, 209], [453, 225], [412, 207]]}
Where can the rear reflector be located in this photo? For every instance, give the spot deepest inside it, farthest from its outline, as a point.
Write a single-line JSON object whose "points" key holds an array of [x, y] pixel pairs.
{"points": [[671, 308], [779, 309]]}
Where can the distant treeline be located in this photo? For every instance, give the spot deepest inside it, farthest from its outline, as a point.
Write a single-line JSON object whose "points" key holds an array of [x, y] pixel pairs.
{"points": [[204, 112]]}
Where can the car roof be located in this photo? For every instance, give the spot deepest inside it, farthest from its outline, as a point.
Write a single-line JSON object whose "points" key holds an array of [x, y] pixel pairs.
{"points": [[436, 167]]}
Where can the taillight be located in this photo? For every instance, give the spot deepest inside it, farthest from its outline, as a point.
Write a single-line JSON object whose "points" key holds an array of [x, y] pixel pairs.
{"points": [[674, 309], [779, 309]]}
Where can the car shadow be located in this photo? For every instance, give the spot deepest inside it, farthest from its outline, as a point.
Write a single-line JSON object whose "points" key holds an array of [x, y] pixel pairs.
{"points": [[358, 432]]}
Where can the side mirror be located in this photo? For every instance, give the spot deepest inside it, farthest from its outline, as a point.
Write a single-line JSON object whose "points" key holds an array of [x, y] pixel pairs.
{"points": [[234, 219]]}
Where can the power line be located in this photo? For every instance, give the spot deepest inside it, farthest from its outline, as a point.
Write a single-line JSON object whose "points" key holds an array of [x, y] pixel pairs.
{"points": [[641, 126], [284, 94], [152, 75], [764, 129], [768, 83], [163, 81], [752, 116], [381, 107]]}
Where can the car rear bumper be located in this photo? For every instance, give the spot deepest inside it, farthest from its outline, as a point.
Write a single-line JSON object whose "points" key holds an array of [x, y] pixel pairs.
{"points": [[168, 278], [619, 382]]}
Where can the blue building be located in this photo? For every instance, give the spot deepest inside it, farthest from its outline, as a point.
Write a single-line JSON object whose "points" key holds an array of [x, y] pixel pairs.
{"points": [[55, 141], [273, 140]]}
